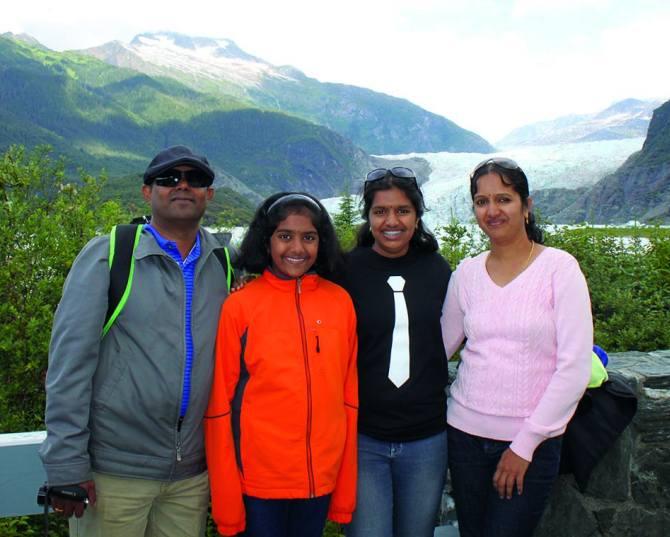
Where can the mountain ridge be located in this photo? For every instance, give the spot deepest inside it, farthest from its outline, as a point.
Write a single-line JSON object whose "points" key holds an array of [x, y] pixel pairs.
{"points": [[379, 123], [628, 118], [639, 189], [104, 117]]}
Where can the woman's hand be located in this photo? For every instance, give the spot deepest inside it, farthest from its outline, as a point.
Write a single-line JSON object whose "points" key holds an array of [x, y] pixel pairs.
{"points": [[240, 283], [510, 471]]}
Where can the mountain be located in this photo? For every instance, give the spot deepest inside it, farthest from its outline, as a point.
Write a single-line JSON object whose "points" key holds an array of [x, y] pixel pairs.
{"points": [[104, 117], [25, 38], [639, 189], [625, 119], [376, 122]]}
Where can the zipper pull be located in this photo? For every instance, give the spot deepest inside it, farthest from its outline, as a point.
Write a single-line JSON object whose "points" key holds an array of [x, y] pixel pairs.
{"points": [[318, 348], [181, 420], [298, 284]]}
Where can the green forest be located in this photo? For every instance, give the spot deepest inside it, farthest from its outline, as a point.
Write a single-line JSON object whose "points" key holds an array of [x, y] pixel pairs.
{"points": [[47, 219], [106, 118]]}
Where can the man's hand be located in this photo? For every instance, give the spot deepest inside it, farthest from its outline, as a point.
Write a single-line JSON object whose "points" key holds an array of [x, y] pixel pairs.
{"points": [[510, 471], [67, 508]]}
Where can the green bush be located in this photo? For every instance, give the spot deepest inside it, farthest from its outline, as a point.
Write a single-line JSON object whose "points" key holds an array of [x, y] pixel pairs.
{"points": [[46, 219], [345, 221], [45, 222], [458, 241], [629, 282], [33, 526]]}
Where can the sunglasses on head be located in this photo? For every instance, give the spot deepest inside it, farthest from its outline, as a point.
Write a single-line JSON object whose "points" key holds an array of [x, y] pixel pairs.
{"points": [[503, 162], [195, 178], [399, 172]]}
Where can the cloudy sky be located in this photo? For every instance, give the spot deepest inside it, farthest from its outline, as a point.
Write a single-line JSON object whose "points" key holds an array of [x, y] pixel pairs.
{"points": [[488, 65]]}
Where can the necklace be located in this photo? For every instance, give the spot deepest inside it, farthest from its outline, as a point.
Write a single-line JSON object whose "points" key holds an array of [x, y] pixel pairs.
{"points": [[517, 272], [532, 247]]}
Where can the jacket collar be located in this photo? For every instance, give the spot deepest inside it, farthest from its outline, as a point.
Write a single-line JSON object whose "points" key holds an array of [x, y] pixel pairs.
{"points": [[148, 245], [308, 282]]}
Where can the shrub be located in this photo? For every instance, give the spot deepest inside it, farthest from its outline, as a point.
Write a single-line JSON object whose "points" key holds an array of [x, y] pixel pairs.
{"points": [[629, 282], [345, 221], [45, 222]]}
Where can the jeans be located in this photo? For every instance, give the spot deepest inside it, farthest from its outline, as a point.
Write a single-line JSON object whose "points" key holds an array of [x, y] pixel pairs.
{"points": [[399, 487], [286, 518], [481, 512]]}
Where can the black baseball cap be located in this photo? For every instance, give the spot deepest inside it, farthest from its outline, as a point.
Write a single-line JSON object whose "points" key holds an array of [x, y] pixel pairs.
{"points": [[176, 155]]}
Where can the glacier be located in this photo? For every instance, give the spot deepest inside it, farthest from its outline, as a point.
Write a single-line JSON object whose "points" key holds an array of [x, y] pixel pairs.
{"points": [[570, 165]]}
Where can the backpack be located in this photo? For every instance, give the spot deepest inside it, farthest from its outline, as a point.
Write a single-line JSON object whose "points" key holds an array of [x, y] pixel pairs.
{"points": [[123, 240]]}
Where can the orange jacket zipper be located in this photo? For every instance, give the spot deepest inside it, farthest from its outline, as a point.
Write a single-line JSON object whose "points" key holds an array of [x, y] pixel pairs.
{"points": [[308, 376]]}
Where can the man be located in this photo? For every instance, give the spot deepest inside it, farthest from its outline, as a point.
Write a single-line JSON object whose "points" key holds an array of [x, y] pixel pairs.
{"points": [[124, 412]]}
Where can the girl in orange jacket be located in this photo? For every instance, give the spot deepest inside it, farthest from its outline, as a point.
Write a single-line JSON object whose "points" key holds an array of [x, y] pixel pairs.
{"points": [[285, 382]]}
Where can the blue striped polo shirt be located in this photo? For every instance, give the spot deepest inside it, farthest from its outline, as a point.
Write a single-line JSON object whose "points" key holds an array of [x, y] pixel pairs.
{"points": [[187, 267]]}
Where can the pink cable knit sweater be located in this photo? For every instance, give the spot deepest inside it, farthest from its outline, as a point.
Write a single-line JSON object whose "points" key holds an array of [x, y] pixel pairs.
{"points": [[527, 358]]}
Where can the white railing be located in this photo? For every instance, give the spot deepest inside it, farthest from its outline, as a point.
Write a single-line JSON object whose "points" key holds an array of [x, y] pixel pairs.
{"points": [[21, 473]]}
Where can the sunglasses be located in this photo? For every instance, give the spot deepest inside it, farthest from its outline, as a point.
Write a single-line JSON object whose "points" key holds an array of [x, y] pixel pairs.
{"points": [[399, 172], [195, 178], [503, 162]]}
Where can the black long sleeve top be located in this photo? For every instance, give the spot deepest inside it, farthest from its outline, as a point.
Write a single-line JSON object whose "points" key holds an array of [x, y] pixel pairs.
{"points": [[417, 409]]}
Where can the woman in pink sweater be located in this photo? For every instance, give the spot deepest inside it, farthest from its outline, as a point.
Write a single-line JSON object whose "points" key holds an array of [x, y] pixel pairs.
{"points": [[525, 314]]}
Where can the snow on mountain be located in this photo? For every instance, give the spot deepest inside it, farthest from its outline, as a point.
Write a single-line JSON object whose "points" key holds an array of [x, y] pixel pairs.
{"points": [[208, 58], [376, 122], [625, 119], [573, 165]]}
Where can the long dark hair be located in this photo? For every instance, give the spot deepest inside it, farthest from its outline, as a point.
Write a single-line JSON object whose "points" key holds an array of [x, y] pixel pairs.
{"points": [[511, 174], [255, 247], [422, 240]]}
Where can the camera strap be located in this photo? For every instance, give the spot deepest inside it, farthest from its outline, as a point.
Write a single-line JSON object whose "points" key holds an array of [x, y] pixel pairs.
{"points": [[46, 519]]}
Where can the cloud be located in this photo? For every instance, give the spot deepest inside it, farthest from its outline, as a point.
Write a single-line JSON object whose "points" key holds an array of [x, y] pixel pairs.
{"points": [[530, 80], [524, 8], [10, 22], [488, 65]]}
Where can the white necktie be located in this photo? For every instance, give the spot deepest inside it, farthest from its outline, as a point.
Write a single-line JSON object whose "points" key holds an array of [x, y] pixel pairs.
{"points": [[399, 363]]}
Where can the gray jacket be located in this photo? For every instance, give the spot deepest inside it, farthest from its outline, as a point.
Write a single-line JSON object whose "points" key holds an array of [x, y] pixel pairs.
{"points": [[113, 404]]}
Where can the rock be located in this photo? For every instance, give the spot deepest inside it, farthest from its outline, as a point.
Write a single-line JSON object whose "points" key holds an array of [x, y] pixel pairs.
{"points": [[652, 369], [605, 517], [446, 531], [567, 513], [610, 480], [650, 476], [628, 493], [653, 411], [447, 513], [634, 520]]}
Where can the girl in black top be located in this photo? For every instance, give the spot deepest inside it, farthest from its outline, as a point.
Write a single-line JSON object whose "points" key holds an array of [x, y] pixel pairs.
{"points": [[398, 282]]}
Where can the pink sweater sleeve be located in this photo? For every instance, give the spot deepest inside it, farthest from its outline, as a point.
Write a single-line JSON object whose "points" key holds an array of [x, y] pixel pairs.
{"points": [[452, 316], [574, 342]]}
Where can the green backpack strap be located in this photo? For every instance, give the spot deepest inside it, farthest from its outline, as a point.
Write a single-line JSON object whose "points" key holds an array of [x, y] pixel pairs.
{"points": [[123, 240], [223, 256]]}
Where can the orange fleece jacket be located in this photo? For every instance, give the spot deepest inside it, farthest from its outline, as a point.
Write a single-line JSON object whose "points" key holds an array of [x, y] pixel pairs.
{"points": [[286, 366]]}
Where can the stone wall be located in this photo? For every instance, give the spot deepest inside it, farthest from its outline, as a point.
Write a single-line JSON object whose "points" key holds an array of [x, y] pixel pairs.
{"points": [[628, 493]]}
